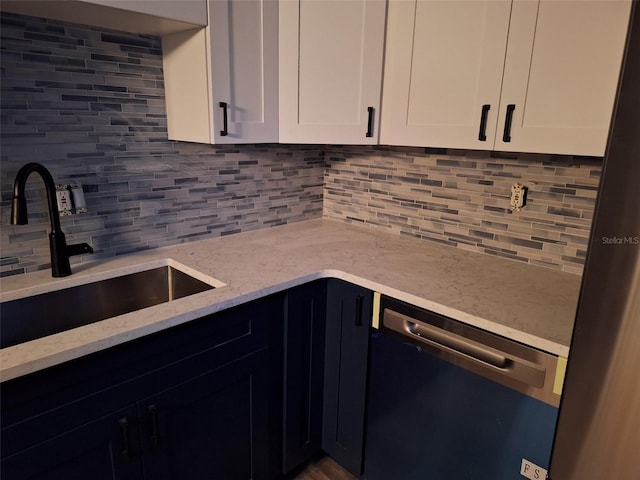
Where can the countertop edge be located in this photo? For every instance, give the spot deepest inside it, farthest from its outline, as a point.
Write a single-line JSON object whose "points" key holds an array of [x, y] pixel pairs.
{"points": [[10, 368]]}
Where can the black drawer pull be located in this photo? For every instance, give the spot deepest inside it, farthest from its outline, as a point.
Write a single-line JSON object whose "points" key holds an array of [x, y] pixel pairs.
{"points": [[371, 111], [359, 301], [153, 420], [506, 137], [225, 129], [124, 430], [482, 135]]}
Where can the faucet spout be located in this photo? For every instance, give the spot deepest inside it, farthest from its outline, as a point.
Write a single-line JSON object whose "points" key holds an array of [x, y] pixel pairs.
{"points": [[19, 203], [60, 252]]}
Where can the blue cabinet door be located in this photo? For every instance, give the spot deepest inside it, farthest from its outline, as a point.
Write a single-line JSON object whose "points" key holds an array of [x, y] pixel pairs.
{"points": [[304, 323], [212, 426], [103, 449], [345, 387]]}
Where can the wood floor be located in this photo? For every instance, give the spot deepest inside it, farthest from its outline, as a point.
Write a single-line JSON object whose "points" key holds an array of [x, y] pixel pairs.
{"points": [[324, 469]]}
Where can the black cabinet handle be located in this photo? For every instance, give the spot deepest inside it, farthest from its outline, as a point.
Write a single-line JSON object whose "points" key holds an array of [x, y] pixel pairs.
{"points": [[371, 111], [359, 301], [506, 137], [124, 430], [482, 135], [225, 128], [153, 420]]}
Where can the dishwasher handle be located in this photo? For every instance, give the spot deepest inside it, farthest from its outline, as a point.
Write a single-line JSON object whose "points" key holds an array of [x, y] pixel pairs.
{"points": [[456, 343], [466, 350]]}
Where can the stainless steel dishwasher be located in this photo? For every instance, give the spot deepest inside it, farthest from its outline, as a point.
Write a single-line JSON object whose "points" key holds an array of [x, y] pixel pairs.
{"points": [[447, 401]]}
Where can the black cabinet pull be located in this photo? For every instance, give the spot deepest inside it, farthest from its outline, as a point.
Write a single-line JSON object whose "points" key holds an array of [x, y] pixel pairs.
{"points": [[153, 420], [225, 129], [359, 301], [124, 430], [371, 111], [506, 137], [482, 135]]}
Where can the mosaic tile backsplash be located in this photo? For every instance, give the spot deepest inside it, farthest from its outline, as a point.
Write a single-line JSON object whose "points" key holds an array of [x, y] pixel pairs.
{"points": [[461, 199], [89, 105]]}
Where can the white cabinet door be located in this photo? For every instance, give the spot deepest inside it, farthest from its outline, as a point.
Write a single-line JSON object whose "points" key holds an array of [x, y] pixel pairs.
{"points": [[443, 64], [221, 83], [330, 70], [561, 75], [244, 70], [186, 86], [551, 92]]}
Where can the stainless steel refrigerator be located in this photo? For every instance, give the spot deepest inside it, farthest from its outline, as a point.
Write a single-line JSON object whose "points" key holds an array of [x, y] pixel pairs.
{"points": [[598, 429]]}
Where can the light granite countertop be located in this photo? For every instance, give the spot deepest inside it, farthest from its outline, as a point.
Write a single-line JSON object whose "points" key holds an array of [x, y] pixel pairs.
{"points": [[530, 304]]}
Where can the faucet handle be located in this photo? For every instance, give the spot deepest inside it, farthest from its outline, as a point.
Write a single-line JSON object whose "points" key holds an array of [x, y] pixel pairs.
{"points": [[79, 249]]}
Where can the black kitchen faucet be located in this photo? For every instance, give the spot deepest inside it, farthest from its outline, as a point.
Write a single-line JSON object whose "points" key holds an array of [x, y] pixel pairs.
{"points": [[60, 251]]}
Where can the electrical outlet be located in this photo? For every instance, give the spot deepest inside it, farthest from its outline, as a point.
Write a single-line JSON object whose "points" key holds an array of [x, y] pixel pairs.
{"points": [[63, 196], [532, 471], [518, 196]]}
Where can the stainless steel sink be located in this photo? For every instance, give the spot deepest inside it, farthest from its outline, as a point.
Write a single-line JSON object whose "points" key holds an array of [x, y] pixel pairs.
{"points": [[37, 316]]}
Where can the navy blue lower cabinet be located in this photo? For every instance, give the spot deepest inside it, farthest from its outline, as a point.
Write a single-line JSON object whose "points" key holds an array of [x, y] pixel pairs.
{"points": [[345, 386], [194, 401], [211, 426], [103, 449], [304, 323]]}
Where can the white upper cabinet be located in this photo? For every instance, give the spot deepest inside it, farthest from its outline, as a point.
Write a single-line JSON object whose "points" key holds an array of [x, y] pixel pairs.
{"points": [[528, 75], [243, 39], [331, 70], [561, 75], [443, 64], [154, 17], [190, 11], [221, 82]]}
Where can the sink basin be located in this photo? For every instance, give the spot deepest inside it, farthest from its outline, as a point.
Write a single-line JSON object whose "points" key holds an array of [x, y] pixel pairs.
{"points": [[37, 316]]}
